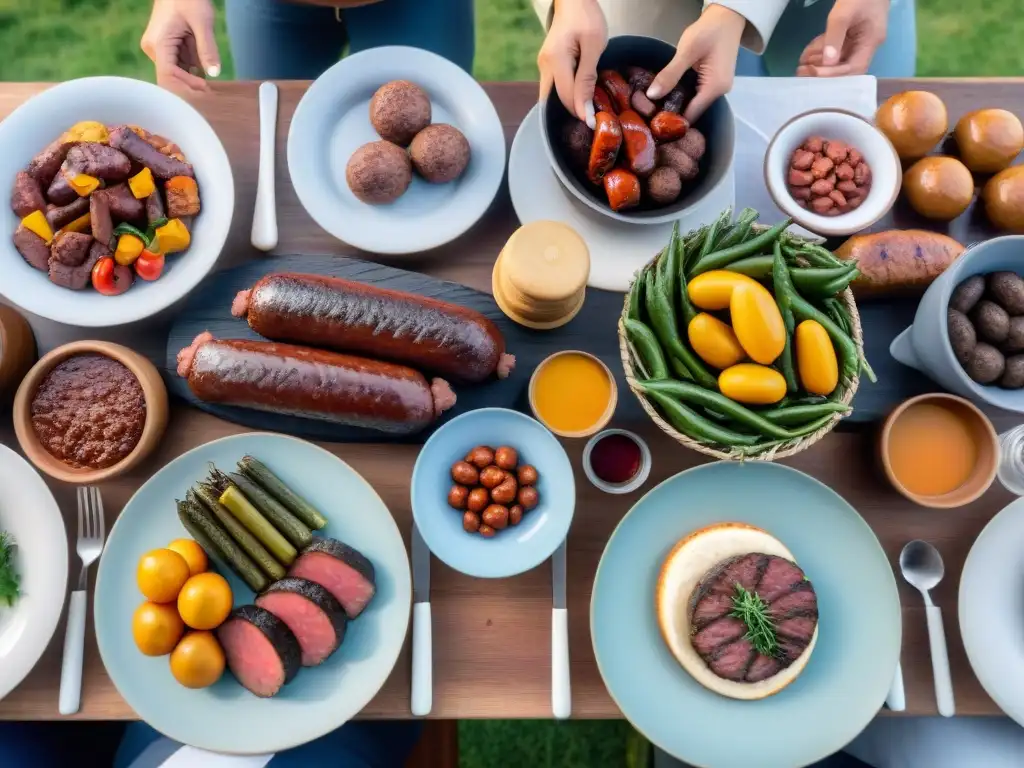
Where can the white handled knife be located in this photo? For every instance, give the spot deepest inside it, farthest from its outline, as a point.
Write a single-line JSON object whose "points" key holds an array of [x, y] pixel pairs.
{"points": [[561, 690], [422, 643]]}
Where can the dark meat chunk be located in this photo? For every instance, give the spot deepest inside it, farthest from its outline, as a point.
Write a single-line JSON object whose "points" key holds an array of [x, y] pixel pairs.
{"points": [[762, 668], [124, 206], [65, 214], [798, 628], [709, 608], [44, 166], [26, 195], [155, 207], [77, 278], [780, 577], [70, 248], [138, 149], [745, 571], [790, 649], [98, 160], [800, 602], [99, 218], [724, 630], [182, 196], [577, 137], [32, 248], [640, 79], [731, 661], [60, 192]]}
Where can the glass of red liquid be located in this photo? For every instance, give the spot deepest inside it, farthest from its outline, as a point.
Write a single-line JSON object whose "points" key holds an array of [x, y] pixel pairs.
{"points": [[616, 461]]}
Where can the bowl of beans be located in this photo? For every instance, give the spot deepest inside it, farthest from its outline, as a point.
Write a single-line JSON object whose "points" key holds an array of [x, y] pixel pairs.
{"points": [[832, 172]]}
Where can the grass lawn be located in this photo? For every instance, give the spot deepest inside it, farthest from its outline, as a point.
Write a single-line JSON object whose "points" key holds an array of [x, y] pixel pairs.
{"points": [[53, 40]]}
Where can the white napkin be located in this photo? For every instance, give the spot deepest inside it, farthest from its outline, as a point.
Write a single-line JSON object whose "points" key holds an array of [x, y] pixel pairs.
{"points": [[192, 757], [763, 104]]}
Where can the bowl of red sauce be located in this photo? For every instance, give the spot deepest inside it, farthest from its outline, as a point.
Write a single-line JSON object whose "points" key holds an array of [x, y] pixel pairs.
{"points": [[616, 461], [89, 411]]}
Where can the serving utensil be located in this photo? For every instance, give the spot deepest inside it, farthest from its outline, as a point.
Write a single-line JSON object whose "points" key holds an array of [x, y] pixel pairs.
{"points": [[561, 691], [422, 641], [91, 531], [897, 698], [264, 218], [922, 567]]}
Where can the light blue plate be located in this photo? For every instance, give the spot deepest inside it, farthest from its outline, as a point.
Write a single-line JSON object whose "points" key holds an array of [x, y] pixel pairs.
{"points": [[859, 630], [515, 549], [225, 717]]}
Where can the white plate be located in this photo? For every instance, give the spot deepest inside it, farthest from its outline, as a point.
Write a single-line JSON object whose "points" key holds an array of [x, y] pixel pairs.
{"points": [[30, 514], [617, 249], [333, 120], [991, 607], [114, 101]]}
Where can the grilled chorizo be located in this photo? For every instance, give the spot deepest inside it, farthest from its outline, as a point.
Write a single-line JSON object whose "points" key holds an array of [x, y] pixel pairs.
{"points": [[60, 216], [124, 206], [668, 126], [638, 143], [605, 146], [616, 87], [60, 192], [99, 160], [26, 195], [622, 188], [312, 383], [44, 166], [602, 101], [348, 316], [141, 151]]}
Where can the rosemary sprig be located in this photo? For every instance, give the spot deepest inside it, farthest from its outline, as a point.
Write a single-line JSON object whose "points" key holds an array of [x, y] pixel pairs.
{"points": [[10, 588], [749, 608]]}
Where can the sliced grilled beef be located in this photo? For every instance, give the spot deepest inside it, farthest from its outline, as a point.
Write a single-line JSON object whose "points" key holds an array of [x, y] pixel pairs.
{"points": [[781, 576], [716, 634], [312, 613], [731, 661], [763, 667], [801, 602], [339, 568], [262, 653], [709, 608]]}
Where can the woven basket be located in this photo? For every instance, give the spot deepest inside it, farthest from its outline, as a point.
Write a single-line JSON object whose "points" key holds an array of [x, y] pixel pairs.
{"points": [[770, 450]]}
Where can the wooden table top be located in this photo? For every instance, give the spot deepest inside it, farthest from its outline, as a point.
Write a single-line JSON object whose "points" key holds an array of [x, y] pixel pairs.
{"points": [[492, 637]]}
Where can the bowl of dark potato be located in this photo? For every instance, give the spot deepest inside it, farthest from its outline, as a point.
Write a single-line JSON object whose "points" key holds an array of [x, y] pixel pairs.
{"points": [[642, 163], [121, 198], [968, 333]]}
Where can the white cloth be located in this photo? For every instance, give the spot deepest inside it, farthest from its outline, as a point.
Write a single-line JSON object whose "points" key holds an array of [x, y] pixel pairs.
{"points": [[666, 19]]}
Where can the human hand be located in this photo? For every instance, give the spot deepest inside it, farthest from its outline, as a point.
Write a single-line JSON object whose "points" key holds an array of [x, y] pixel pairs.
{"points": [[568, 57], [179, 39], [709, 46], [853, 33]]}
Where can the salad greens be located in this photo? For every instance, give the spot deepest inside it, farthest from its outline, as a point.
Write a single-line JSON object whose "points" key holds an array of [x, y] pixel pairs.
{"points": [[10, 588]]}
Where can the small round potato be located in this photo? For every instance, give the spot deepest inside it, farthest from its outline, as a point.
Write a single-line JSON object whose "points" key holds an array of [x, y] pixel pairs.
{"points": [[991, 321], [961, 335], [986, 364], [967, 294], [1013, 375], [1007, 289]]}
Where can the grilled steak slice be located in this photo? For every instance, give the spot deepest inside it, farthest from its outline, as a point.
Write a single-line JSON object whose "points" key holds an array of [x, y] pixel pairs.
{"points": [[716, 634], [709, 608], [799, 602], [312, 614], [762, 668], [731, 661], [339, 568], [262, 653], [781, 576]]}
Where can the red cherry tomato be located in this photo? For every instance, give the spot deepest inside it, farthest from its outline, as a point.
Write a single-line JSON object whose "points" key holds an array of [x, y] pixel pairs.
{"points": [[149, 265], [109, 278]]}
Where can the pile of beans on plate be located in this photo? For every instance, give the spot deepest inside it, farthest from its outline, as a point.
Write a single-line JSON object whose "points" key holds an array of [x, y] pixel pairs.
{"points": [[828, 176], [493, 489]]}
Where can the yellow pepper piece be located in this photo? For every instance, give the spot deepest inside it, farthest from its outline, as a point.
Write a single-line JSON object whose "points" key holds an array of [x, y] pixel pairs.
{"points": [[172, 237], [36, 222], [128, 249], [84, 184], [142, 184], [81, 224], [86, 130]]}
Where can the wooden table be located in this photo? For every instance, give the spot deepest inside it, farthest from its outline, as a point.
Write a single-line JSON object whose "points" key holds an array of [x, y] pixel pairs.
{"points": [[492, 638]]}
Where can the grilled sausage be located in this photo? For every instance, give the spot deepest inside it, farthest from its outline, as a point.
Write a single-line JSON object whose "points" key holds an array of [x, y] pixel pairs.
{"points": [[61, 216], [99, 160], [138, 149], [577, 138], [312, 383], [32, 247], [638, 143], [675, 101], [60, 192], [622, 188], [605, 147], [668, 126], [428, 334], [640, 79], [99, 218], [26, 195], [155, 210], [124, 206], [602, 101], [616, 87], [78, 277], [44, 166]]}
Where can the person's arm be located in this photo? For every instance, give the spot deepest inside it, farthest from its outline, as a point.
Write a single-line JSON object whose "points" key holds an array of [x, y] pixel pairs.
{"points": [[762, 16]]}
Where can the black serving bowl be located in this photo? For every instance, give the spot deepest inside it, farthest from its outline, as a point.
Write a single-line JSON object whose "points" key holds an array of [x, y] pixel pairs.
{"points": [[716, 124]]}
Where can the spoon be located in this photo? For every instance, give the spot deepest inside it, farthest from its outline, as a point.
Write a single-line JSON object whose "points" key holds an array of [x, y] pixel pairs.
{"points": [[922, 567], [264, 220]]}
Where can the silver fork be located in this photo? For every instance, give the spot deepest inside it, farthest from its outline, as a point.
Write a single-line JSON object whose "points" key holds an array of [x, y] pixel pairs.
{"points": [[91, 531]]}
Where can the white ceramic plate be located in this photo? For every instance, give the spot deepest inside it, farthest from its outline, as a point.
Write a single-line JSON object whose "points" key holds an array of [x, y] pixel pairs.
{"points": [[114, 101], [991, 607], [225, 717], [30, 514], [333, 120], [617, 249]]}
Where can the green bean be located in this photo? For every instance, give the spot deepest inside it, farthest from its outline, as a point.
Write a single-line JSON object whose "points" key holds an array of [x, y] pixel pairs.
{"points": [[756, 267], [780, 277], [696, 426], [679, 369], [647, 347], [797, 258], [715, 232], [692, 247], [740, 231], [636, 297], [752, 247], [663, 322], [670, 263], [813, 279], [717, 402], [809, 400], [814, 426], [852, 362], [835, 309], [840, 284], [797, 415]]}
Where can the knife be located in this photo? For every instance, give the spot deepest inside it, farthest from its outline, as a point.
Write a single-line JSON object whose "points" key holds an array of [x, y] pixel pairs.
{"points": [[561, 692], [422, 653]]}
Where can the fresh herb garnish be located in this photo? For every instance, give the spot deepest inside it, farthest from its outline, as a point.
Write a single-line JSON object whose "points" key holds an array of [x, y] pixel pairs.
{"points": [[9, 583], [749, 608]]}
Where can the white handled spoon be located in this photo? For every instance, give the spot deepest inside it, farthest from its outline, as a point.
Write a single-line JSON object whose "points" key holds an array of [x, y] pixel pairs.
{"points": [[922, 567], [264, 218]]}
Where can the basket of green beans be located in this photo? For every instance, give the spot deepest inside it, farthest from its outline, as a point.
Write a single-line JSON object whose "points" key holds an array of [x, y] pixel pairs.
{"points": [[682, 392]]}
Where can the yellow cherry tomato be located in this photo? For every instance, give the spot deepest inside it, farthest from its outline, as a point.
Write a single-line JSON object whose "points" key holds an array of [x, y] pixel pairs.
{"points": [[198, 660], [714, 341], [713, 290], [752, 384], [194, 554], [156, 628], [205, 601], [757, 322], [161, 575]]}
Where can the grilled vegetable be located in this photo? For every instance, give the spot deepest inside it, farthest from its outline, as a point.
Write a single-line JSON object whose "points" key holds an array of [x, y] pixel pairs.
{"points": [[201, 525], [258, 525], [285, 522], [256, 471], [207, 495], [37, 223]]}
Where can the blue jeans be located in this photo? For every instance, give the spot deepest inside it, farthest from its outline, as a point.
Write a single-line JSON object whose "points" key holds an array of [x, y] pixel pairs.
{"points": [[280, 40], [896, 57]]}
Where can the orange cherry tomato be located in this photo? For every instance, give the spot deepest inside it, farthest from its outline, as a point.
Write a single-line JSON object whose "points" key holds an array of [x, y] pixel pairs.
{"points": [[149, 265], [110, 278]]}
